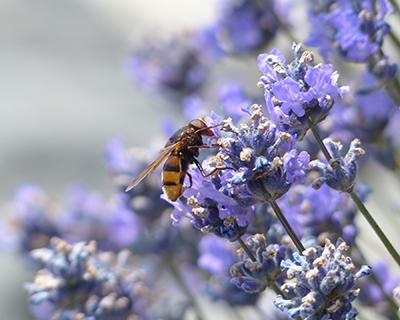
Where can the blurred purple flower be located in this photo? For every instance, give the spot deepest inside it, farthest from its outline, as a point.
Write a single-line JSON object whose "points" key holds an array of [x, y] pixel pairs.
{"points": [[233, 100], [217, 255], [81, 282], [83, 217], [352, 29], [32, 221], [173, 65], [241, 26]]}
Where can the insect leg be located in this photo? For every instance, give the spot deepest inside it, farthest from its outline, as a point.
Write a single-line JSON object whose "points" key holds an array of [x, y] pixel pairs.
{"points": [[204, 146], [208, 128], [190, 179], [205, 175]]}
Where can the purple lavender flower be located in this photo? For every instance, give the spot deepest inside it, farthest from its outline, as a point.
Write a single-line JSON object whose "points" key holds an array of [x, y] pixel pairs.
{"points": [[111, 223], [122, 226], [375, 106], [297, 96], [352, 29], [36, 219], [233, 100], [385, 276], [82, 217], [259, 171], [366, 114], [233, 103], [209, 218], [242, 26], [372, 101], [220, 288], [32, 220], [324, 285], [216, 254], [383, 70], [117, 159], [340, 173], [373, 294], [81, 282], [76, 282], [174, 65], [193, 107], [294, 164], [288, 92], [123, 164], [256, 276]]}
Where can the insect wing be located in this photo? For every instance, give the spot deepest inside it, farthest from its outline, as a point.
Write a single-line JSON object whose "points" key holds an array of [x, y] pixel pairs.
{"points": [[153, 166]]}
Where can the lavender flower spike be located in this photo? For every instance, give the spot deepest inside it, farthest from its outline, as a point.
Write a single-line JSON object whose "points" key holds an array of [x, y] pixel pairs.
{"points": [[260, 173], [351, 29], [297, 95], [324, 285], [256, 276], [340, 173], [79, 282]]}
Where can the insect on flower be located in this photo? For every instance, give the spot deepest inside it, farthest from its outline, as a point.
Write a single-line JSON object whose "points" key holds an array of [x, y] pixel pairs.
{"points": [[181, 150]]}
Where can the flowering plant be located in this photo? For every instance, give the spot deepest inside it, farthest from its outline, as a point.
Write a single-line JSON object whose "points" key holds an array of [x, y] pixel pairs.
{"points": [[270, 207]]}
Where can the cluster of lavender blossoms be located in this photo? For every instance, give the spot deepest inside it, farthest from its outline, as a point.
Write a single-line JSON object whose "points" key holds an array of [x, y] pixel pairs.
{"points": [[185, 71], [79, 282], [279, 194], [352, 29], [297, 95], [181, 63], [340, 173], [256, 276], [241, 26], [324, 283]]}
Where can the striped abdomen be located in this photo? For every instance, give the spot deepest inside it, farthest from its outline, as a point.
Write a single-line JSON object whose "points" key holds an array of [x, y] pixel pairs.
{"points": [[173, 176]]}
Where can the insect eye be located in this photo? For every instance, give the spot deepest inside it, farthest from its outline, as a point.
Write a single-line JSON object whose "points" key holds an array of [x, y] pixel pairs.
{"points": [[197, 124], [201, 127]]}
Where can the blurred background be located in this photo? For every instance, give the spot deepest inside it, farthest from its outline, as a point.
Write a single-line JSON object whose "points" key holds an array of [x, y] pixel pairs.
{"points": [[65, 93]]}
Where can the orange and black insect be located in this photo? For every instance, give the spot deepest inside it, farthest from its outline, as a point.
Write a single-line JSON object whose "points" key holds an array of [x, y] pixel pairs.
{"points": [[181, 150]]}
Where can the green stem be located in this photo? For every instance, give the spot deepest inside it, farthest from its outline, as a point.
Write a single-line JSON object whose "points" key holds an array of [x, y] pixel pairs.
{"points": [[276, 289], [361, 206], [319, 141], [375, 227], [395, 5], [394, 39], [185, 290], [247, 250], [287, 226], [394, 90]]}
